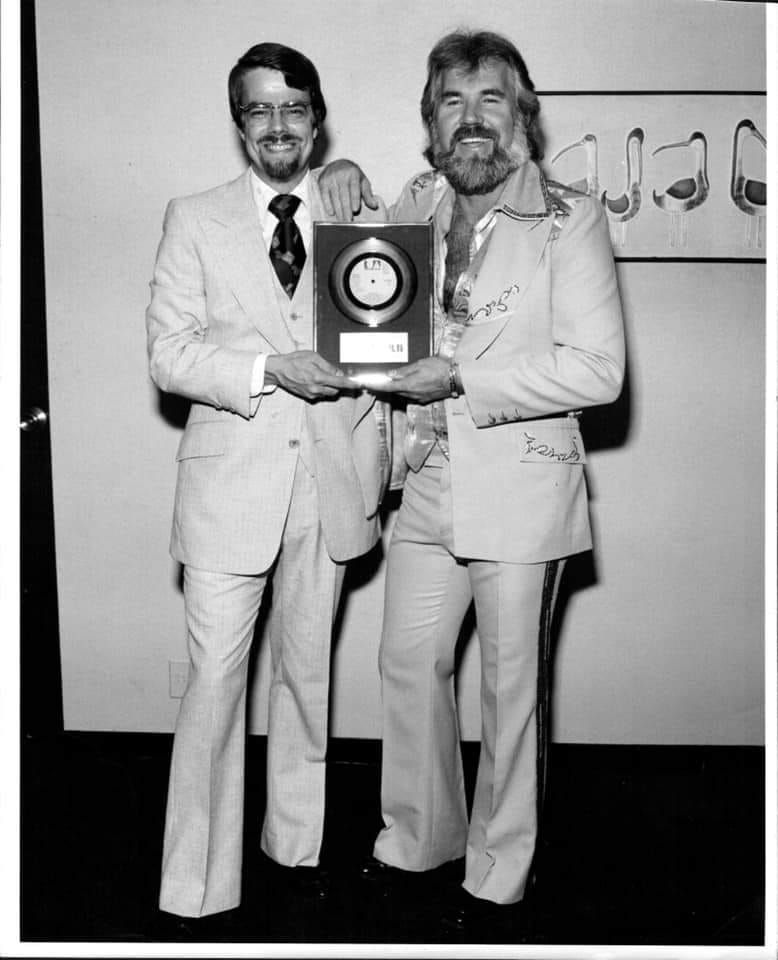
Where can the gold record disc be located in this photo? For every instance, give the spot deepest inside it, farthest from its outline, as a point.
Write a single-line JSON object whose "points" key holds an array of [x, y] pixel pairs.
{"points": [[372, 281]]}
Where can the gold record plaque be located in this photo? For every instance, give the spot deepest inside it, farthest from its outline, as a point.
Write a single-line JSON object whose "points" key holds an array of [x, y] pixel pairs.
{"points": [[372, 295]]}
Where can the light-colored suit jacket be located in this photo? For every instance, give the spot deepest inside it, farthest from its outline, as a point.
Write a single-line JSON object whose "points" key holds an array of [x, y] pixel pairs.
{"points": [[216, 303], [544, 337]]}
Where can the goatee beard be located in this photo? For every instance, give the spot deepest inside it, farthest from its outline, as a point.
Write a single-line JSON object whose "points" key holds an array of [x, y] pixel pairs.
{"points": [[281, 168]]}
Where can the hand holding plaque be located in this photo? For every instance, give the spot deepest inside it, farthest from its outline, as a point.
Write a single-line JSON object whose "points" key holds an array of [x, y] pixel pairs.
{"points": [[372, 296]]}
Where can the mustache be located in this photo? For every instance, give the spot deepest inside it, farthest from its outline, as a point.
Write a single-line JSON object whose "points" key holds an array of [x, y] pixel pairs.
{"points": [[468, 130], [279, 138]]}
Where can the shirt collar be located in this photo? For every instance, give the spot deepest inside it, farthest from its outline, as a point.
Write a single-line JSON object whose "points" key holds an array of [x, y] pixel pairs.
{"points": [[524, 197], [264, 193]]}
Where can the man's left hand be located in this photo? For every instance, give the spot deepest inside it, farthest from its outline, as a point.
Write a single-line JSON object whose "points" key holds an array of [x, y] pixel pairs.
{"points": [[421, 382], [344, 188]]}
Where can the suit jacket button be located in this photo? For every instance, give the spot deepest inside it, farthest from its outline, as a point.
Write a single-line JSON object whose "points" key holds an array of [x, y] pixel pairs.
{"points": [[294, 443]]}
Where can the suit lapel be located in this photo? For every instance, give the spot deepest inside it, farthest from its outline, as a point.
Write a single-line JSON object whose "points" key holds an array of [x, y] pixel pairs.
{"points": [[515, 249], [234, 230], [512, 259]]}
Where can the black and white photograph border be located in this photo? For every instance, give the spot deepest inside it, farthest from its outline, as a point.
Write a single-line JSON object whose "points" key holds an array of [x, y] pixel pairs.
{"points": [[659, 834]]}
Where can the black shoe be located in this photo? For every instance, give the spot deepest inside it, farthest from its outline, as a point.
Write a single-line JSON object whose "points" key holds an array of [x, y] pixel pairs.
{"points": [[451, 873], [483, 921], [304, 883], [376, 870], [310, 883], [215, 926], [380, 878], [307, 883], [387, 879]]}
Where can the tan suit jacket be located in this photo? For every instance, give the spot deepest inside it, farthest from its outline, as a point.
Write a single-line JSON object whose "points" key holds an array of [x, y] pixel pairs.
{"points": [[544, 336], [216, 303]]}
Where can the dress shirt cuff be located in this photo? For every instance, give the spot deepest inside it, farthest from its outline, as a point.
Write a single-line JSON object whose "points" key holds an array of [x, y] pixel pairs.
{"points": [[258, 385]]}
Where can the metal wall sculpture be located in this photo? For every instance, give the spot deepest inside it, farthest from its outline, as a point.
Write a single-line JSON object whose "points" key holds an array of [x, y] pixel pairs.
{"points": [[678, 175]]}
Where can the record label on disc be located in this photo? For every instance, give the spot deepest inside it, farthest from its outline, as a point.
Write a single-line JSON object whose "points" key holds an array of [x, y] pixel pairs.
{"points": [[372, 281]]}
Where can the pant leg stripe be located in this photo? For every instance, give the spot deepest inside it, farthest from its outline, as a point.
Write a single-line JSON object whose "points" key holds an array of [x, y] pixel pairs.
{"points": [[544, 678]]}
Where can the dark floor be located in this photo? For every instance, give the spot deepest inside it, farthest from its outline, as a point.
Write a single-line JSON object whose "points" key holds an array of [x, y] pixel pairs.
{"points": [[642, 845]]}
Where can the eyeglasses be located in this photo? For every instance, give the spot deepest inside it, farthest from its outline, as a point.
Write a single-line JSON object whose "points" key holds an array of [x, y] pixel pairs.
{"points": [[260, 114]]}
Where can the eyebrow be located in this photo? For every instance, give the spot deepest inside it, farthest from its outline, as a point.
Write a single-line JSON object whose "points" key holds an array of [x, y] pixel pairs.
{"points": [[269, 103], [488, 92]]}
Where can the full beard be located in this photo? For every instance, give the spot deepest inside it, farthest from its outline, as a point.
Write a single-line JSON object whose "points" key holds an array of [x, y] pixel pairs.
{"points": [[475, 175]]}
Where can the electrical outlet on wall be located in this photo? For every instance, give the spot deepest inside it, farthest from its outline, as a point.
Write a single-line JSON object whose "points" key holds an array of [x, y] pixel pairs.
{"points": [[178, 677]]}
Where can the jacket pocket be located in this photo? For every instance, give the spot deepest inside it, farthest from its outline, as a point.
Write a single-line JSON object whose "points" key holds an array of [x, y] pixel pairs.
{"points": [[205, 438], [551, 441]]}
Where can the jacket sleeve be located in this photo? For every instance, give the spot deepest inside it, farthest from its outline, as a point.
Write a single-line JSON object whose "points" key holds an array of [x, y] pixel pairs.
{"points": [[182, 359], [585, 364], [415, 202]]}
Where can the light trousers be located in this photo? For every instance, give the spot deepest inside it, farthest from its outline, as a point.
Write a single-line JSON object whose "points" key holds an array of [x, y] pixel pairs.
{"points": [[428, 592], [202, 856]]}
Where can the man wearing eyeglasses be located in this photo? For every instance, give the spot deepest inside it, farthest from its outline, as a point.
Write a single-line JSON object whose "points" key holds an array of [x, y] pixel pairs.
{"points": [[279, 476]]}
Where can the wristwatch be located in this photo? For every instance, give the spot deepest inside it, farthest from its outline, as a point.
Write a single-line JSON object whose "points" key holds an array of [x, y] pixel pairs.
{"points": [[456, 387]]}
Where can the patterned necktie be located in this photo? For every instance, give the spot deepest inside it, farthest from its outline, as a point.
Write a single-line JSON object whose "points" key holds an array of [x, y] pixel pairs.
{"points": [[287, 252]]}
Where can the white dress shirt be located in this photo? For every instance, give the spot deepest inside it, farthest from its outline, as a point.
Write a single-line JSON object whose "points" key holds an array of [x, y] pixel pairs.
{"points": [[263, 194]]}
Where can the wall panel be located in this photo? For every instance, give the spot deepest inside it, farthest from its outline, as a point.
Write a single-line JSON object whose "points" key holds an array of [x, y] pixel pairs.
{"points": [[661, 639]]}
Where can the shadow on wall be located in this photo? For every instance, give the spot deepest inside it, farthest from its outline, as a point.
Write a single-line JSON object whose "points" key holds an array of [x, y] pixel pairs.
{"points": [[604, 428], [608, 426], [173, 409]]}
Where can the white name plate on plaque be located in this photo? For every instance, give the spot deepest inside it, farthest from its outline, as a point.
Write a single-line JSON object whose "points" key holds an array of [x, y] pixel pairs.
{"points": [[374, 348]]}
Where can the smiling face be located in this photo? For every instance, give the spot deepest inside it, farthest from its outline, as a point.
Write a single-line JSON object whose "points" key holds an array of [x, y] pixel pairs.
{"points": [[477, 133], [279, 145]]}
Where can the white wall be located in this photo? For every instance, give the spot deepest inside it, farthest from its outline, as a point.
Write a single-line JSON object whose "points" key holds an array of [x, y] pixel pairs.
{"points": [[662, 642]]}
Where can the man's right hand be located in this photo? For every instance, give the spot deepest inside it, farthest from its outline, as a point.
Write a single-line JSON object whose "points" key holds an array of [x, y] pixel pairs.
{"points": [[305, 374], [344, 188]]}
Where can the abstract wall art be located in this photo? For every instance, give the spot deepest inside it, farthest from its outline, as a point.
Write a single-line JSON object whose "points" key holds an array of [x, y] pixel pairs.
{"points": [[679, 175]]}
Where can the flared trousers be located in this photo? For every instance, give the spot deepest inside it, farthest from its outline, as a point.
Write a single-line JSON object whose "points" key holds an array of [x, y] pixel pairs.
{"points": [[203, 843], [428, 592]]}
